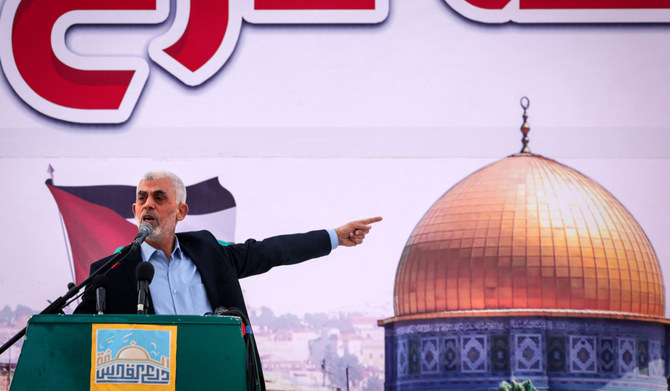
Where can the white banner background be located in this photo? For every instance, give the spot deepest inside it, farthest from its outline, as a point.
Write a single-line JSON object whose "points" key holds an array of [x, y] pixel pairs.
{"points": [[312, 126]]}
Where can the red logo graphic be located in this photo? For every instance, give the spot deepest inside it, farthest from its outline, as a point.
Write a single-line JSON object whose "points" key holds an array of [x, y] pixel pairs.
{"points": [[564, 11], [85, 89]]}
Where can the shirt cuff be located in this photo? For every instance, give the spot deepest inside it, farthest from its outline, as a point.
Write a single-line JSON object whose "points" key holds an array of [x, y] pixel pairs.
{"points": [[333, 238]]}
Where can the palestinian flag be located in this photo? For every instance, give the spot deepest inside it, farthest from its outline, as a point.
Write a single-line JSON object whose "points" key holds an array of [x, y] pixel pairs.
{"points": [[98, 219]]}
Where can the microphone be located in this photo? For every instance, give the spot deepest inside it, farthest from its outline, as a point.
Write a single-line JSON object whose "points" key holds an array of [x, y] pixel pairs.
{"points": [[144, 273], [145, 230], [100, 283]]}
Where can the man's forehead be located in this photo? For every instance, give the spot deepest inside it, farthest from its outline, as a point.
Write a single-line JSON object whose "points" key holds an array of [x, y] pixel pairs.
{"points": [[162, 185]]}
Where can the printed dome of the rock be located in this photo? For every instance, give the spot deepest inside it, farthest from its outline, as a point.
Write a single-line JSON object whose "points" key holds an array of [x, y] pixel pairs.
{"points": [[528, 234], [133, 353]]}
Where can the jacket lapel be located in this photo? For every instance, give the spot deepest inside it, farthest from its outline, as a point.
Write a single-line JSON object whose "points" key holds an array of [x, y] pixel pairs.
{"points": [[201, 257]]}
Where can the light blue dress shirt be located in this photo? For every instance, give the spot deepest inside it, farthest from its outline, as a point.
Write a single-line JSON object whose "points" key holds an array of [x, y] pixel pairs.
{"points": [[177, 288]]}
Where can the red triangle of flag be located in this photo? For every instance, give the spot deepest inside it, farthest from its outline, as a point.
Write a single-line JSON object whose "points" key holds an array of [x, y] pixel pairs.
{"points": [[94, 231]]}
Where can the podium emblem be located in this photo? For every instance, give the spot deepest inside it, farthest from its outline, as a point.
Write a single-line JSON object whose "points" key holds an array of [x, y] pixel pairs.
{"points": [[139, 357]]}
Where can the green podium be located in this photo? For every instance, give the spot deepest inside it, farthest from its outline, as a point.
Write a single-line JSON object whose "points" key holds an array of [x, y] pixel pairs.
{"points": [[132, 352]]}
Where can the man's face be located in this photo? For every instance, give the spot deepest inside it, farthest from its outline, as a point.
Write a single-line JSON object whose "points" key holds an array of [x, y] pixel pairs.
{"points": [[156, 204]]}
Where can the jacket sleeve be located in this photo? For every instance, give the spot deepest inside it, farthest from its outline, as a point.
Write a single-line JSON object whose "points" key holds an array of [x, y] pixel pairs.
{"points": [[255, 257], [118, 288], [87, 305]]}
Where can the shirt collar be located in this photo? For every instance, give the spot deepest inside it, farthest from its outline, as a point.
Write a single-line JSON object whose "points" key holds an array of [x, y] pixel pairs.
{"points": [[148, 250]]}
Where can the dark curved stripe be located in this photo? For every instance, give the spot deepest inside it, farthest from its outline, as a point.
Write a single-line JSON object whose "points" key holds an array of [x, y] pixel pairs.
{"points": [[118, 198], [208, 197], [204, 197]]}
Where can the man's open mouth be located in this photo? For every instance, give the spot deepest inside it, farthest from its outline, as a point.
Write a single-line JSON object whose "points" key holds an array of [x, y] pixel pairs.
{"points": [[148, 218]]}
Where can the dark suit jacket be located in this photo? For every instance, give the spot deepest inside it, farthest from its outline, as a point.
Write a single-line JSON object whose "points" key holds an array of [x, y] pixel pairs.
{"points": [[219, 266]]}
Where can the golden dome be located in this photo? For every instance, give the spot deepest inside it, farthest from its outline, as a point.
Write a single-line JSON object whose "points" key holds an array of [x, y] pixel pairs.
{"points": [[132, 353], [528, 235]]}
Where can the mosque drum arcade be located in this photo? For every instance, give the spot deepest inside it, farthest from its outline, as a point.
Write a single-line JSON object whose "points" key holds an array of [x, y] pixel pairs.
{"points": [[527, 269]]}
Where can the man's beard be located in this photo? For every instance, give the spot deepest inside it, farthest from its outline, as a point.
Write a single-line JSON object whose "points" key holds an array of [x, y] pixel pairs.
{"points": [[156, 234], [160, 232]]}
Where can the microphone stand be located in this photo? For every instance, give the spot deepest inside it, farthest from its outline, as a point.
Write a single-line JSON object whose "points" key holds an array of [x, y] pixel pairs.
{"points": [[57, 306]]}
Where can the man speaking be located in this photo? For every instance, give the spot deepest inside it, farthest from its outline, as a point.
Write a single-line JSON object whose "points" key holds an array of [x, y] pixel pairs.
{"points": [[194, 273]]}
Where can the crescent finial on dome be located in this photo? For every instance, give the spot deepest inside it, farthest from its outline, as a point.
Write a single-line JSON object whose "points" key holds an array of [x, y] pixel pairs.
{"points": [[525, 127]]}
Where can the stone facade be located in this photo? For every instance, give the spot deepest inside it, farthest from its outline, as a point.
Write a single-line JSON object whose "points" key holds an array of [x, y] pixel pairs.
{"points": [[555, 353]]}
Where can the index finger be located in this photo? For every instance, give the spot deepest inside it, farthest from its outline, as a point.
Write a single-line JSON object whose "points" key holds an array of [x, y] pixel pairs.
{"points": [[370, 220]]}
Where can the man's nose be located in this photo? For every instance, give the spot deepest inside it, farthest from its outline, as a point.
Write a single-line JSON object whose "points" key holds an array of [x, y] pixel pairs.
{"points": [[150, 203]]}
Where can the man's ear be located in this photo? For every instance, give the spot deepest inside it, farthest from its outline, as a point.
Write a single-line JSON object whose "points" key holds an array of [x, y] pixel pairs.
{"points": [[182, 210], [133, 208]]}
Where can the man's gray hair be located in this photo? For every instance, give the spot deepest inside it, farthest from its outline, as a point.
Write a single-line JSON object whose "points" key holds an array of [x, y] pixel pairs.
{"points": [[177, 184]]}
